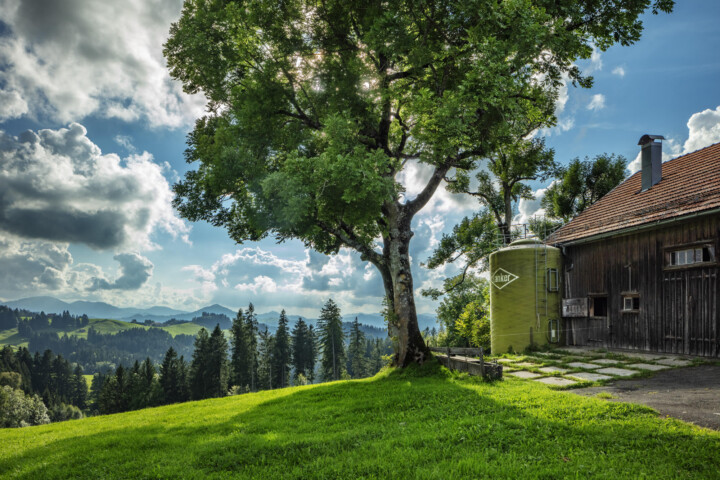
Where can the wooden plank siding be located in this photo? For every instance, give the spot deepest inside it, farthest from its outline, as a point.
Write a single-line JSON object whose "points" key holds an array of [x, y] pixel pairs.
{"points": [[678, 306]]}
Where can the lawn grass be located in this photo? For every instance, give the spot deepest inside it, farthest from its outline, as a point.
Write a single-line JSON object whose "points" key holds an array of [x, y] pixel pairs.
{"points": [[417, 423]]}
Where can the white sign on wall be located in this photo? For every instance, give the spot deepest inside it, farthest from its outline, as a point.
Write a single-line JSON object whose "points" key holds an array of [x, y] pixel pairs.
{"points": [[502, 278]]}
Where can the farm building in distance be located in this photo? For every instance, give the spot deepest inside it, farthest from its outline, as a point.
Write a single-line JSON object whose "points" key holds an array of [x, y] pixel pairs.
{"points": [[640, 266]]}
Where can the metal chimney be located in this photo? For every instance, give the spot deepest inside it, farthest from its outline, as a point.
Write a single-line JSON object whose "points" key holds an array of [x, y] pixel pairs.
{"points": [[651, 160]]}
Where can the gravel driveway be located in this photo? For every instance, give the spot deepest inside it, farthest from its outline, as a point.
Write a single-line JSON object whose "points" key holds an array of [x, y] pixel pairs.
{"points": [[691, 394]]}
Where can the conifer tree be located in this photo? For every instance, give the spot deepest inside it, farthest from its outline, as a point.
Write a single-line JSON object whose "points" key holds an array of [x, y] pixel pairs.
{"points": [[199, 366], [251, 332], [332, 338], [356, 364], [239, 364], [217, 372], [301, 350], [170, 381], [281, 354], [312, 349], [79, 389], [265, 360]]}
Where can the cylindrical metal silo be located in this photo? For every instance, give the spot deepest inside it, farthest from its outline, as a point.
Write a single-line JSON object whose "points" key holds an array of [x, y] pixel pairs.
{"points": [[525, 296]]}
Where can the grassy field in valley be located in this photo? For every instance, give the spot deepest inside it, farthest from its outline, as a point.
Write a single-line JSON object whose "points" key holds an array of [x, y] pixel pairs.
{"points": [[101, 325], [419, 423]]}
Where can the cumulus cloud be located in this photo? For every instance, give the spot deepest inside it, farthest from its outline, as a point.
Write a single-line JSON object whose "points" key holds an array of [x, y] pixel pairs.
{"points": [[12, 105], [415, 175], [135, 270], [619, 71], [261, 284], [32, 265], [70, 59], [597, 102], [703, 130], [531, 208], [57, 185]]}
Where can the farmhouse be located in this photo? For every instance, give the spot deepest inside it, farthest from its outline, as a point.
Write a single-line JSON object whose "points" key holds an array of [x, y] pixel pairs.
{"points": [[640, 266]]}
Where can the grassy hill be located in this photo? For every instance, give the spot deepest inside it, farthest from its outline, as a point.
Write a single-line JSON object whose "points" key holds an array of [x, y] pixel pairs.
{"points": [[101, 325], [420, 423]]}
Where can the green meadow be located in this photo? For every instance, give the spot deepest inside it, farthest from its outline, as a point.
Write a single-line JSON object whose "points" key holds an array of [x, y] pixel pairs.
{"points": [[101, 325], [418, 423]]}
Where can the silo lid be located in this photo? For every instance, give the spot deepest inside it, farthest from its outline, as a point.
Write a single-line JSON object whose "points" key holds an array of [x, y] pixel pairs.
{"points": [[526, 241]]}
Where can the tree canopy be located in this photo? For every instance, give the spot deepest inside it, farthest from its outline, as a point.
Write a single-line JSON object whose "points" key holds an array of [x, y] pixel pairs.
{"points": [[583, 183], [316, 107]]}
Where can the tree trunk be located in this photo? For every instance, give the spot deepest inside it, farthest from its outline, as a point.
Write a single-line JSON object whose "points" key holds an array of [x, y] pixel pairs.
{"points": [[507, 228], [411, 346]]}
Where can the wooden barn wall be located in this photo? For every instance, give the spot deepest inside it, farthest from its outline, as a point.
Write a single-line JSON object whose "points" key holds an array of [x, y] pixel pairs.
{"points": [[678, 307]]}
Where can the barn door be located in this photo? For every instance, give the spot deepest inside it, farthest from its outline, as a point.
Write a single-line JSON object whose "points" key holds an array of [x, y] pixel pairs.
{"points": [[690, 307], [675, 306], [702, 311]]}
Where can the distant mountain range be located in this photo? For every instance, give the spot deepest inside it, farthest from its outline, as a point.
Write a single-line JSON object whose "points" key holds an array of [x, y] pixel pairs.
{"points": [[163, 314]]}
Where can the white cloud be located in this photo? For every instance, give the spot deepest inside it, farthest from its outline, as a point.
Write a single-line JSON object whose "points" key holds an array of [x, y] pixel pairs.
{"points": [[527, 209], [597, 102], [67, 60], [12, 105], [619, 71], [415, 175], [262, 284], [57, 185], [703, 131], [596, 63], [125, 142]]}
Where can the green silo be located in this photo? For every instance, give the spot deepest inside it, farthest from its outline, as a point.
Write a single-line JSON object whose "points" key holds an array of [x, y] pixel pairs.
{"points": [[525, 296]]}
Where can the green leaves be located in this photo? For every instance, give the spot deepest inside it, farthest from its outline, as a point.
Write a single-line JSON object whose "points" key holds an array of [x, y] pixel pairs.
{"points": [[583, 183]]}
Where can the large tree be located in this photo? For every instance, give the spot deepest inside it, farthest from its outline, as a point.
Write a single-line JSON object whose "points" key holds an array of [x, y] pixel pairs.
{"points": [[582, 183], [316, 108]]}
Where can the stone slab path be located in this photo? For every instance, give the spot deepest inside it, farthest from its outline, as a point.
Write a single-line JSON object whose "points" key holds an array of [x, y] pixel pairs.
{"points": [[618, 372], [589, 377]]}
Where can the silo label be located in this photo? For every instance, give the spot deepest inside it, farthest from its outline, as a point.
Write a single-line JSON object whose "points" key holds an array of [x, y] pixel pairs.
{"points": [[502, 278]]}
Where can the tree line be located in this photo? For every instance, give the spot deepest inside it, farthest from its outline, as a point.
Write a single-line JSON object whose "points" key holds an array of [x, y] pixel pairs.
{"points": [[252, 359], [39, 388], [247, 358]]}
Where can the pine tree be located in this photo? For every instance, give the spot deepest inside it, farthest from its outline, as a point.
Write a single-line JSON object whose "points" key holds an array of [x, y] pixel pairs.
{"points": [[217, 364], [332, 340], [312, 349], [79, 389], [239, 364], [251, 332], [300, 340], [199, 366], [356, 364], [170, 381], [281, 354], [265, 361]]}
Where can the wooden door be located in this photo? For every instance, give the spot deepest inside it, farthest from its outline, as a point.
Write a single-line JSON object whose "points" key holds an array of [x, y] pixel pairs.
{"points": [[690, 310]]}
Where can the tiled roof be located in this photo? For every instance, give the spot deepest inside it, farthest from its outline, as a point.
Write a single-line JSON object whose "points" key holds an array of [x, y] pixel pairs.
{"points": [[690, 184]]}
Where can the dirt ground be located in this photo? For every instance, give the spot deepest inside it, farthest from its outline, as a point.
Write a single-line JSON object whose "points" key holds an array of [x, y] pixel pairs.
{"points": [[691, 394]]}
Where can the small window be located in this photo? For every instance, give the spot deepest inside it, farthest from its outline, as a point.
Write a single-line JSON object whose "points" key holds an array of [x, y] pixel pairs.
{"points": [[631, 304], [598, 306], [691, 256], [553, 281]]}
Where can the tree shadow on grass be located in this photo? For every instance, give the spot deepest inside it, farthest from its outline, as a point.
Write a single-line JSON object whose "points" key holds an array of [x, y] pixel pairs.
{"points": [[418, 423]]}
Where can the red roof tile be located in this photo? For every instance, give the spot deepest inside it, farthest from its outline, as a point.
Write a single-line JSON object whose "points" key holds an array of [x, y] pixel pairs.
{"points": [[690, 184]]}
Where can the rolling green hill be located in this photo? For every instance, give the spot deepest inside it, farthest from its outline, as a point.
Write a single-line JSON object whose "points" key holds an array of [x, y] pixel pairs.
{"points": [[101, 325], [420, 423]]}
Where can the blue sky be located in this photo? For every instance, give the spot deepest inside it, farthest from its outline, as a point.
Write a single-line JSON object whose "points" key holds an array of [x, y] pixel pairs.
{"points": [[85, 195]]}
